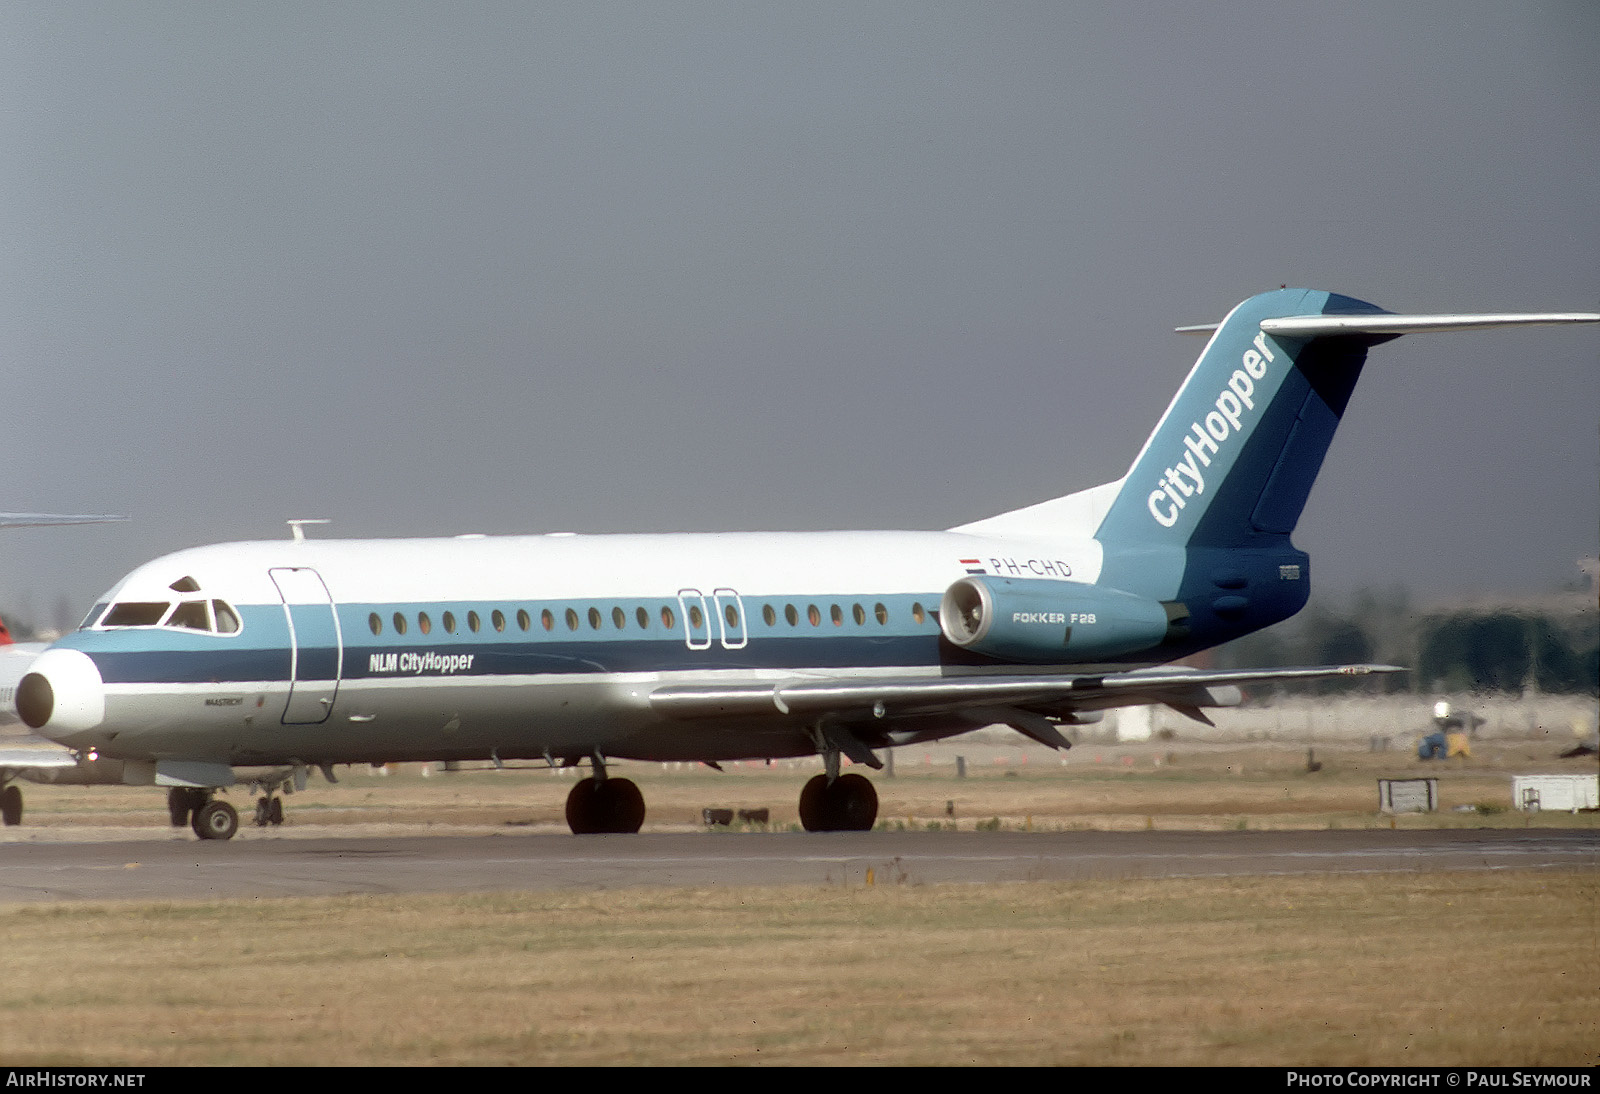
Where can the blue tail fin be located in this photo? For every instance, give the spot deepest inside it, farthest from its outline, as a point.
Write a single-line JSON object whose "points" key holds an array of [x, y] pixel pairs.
{"points": [[1201, 521], [1233, 459]]}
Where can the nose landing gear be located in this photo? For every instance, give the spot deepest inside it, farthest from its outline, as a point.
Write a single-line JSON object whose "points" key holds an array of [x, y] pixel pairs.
{"points": [[207, 817], [269, 810], [216, 819], [11, 805]]}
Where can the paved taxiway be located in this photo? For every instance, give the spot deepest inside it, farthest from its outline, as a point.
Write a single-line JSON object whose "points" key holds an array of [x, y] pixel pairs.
{"points": [[336, 863]]}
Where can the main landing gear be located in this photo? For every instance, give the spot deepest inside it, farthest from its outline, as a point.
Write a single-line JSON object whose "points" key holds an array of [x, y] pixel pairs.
{"points": [[600, 804], [832, 802], [847, 803]]}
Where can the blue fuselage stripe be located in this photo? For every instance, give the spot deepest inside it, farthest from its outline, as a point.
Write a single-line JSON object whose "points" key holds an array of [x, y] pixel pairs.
{"points": [[261, 651]]}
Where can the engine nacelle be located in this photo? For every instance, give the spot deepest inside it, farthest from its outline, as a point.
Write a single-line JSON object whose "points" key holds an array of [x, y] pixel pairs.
{"points": [[1048, 622]]}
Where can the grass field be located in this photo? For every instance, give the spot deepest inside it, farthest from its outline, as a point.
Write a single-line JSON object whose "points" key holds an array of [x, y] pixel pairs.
{"points": [[1431, 969], [1476, 968], [1095, 787]]}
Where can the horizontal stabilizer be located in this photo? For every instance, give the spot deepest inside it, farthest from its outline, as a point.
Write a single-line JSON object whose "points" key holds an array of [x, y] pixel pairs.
{"points": [[1314, 326]]}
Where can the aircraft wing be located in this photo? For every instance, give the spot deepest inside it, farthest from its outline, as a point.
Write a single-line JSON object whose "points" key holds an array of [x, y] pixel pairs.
{"points": [[1018, 700], [36, 520], [25, 760]]}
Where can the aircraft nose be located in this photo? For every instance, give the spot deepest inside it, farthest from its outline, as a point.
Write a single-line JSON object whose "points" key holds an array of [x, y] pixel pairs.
{"points": [[62, 694]]}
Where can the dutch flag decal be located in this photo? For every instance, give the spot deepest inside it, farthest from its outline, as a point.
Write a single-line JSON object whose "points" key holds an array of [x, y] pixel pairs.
{"points": [[974, 565]]}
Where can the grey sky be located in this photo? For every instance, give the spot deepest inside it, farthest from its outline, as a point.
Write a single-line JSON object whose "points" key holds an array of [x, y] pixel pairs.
{"points": [[531, 267]]}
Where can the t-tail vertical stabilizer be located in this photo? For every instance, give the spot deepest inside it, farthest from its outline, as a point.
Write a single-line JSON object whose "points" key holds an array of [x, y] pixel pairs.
{"points": [[1232, 461], [1203, 517]]}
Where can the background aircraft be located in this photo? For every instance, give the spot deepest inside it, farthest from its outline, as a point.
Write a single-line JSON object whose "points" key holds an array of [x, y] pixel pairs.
{"points": [[721, 646], [31, 757]]}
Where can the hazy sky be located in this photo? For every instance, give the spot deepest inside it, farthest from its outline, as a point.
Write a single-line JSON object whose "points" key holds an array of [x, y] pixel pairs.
{"points": [[429, 268]]}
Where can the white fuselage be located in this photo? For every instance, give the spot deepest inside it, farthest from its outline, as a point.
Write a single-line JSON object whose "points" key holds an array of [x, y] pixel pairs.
{"points": [[518, 646]]}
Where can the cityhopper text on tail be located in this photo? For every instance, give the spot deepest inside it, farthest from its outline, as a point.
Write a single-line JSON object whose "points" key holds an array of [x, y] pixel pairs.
{"points": [[304, 653]]}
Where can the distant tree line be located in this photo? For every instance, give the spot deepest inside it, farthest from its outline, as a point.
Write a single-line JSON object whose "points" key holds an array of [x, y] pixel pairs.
{"points": [[1449, 651]]}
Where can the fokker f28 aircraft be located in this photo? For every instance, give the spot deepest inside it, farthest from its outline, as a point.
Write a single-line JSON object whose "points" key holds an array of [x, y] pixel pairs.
{"points": [[709, 647]]}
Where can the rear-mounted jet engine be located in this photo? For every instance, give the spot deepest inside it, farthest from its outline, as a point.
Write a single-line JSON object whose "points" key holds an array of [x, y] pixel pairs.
{"points": [[1045, 622]]}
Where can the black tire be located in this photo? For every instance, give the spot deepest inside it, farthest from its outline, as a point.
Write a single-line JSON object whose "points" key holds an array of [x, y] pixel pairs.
{"points": [[215, 820], [11, 805], [263, 812], [621, 806], [855, 803], [180, 804], [275, 811], [848, 804], [612, 806], [582, 809], [814, 801]]}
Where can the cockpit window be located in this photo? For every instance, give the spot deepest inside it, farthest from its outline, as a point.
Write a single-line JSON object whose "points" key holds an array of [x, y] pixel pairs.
{"points": [[185, 585], [227, 618], [134, 614], [191, 615], [213, 616]]}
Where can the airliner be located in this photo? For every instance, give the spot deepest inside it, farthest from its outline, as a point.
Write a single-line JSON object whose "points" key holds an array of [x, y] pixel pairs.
{"points": [[567, 649]]}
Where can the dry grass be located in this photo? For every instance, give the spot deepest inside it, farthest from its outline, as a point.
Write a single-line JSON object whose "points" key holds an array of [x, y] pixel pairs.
{"points": [[1414, 969], [1095, 787], [1434, 969]]}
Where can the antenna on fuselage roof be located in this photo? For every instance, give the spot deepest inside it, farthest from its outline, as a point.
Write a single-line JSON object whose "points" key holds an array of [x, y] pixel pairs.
{"points": [[297, 527]]}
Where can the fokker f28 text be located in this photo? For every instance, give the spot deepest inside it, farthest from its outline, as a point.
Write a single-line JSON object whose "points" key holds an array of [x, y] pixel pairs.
{"points": [[305, 653]]}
